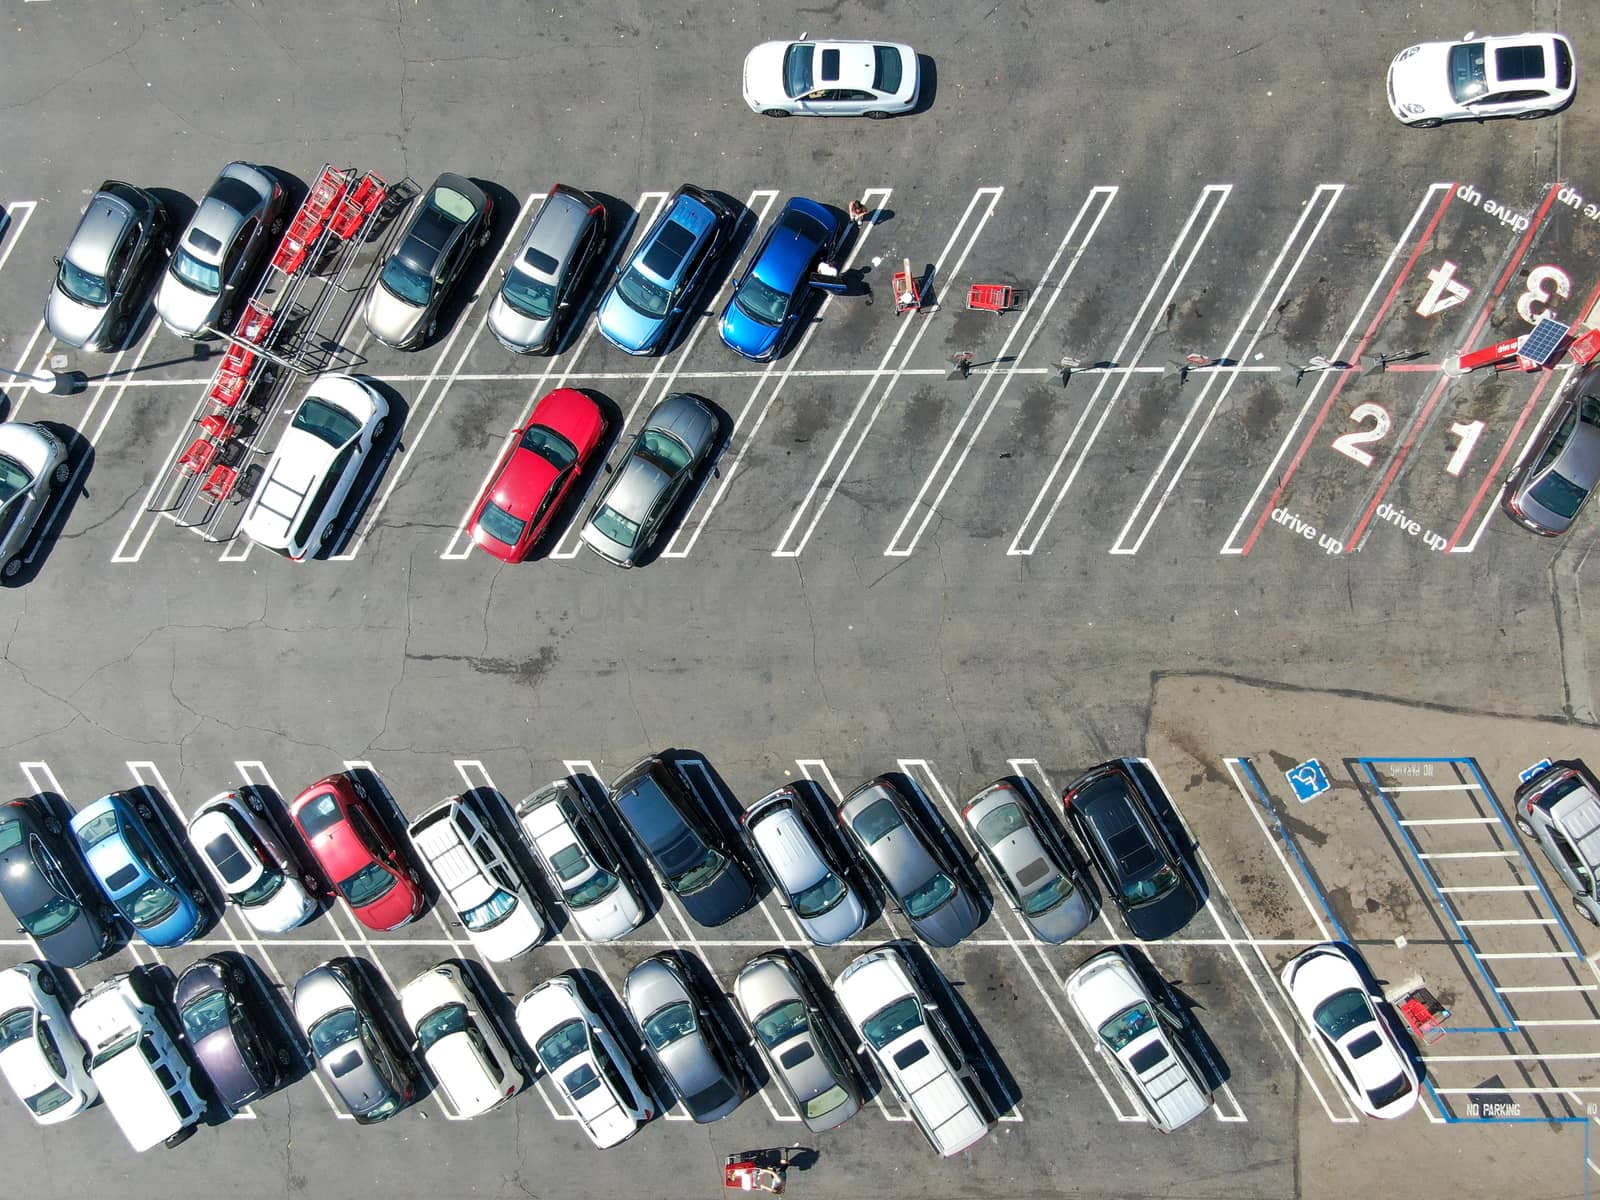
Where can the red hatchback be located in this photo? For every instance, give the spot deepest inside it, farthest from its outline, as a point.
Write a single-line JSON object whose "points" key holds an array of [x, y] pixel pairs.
{"points": [[363, 861], [546, 458]]}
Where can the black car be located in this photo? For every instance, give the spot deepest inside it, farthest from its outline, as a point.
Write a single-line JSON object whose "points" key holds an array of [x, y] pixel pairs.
{"points": [[232, 1027], [449, 221], [103, 276], [47, 884], [1118, 822], [683, 843]]}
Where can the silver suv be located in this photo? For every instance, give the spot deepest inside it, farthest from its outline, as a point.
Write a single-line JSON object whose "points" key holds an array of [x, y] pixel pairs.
{"points": [[1560, 809]]}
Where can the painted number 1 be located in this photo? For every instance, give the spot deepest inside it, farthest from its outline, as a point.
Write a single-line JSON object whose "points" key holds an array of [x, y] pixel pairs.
{"points": [[1467, 432]]}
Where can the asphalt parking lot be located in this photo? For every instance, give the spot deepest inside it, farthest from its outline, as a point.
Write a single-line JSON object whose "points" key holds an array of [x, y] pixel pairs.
{"points": [[1206, 498]]}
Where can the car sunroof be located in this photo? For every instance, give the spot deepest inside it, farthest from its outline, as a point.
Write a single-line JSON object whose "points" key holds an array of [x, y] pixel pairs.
{"points": [[1519, 62], [830, 67]]}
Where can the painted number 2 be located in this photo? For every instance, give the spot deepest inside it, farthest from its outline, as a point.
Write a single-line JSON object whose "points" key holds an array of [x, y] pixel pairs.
{"points": [[1545, 285], [1349, 444]]}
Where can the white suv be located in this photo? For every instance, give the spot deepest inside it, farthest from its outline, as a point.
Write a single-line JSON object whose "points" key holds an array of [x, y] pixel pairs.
{"points": [[135, 1062], [309, 475], [459, 1041], [581, 861], [914, 1049], [476, 878]]}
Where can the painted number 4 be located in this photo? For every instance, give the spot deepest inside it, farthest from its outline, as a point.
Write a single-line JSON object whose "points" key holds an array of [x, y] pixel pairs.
{"points": [[1443, 291]]}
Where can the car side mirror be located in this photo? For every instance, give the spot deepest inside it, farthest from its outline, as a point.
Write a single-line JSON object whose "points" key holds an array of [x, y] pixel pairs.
{"points": [[20, 929], [56, 260], [502, 272], [608, 468], [861, 1047]]}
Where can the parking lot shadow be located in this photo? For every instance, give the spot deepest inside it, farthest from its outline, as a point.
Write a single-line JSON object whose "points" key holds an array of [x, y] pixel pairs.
{"points": [[1000, 1086], [928, 86], [1182, 1007], [385, 445], [64, 496]]}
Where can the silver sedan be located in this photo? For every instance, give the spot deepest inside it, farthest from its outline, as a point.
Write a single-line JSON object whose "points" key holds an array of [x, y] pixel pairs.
{"points": [[1031, 867], [675, 442], [685, 1038], [217, 253], [359, 1056], [33, 464]]}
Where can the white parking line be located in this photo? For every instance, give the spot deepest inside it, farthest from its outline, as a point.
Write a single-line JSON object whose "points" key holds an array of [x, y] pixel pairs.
{"points": [[1294, 876], [538, 381], [1322, 201], [22, 389], [1492, 887], [411, 440], [1214, 196], [809, 504], [11, 231], [1468, 854], [1432, 787], [1527, 954], [1552, 987], [1453, 821], [876, 198], [901, 549], [1515, 921]]}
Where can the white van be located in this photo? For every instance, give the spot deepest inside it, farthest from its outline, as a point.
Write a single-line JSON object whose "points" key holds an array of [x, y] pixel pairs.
{"points": [[309, 476], [914, 1049], [135, 1062], [477, 880]]}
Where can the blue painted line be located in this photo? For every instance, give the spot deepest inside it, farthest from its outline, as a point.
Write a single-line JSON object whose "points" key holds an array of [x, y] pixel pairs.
{"points": [[1422, 866], [1305, 871]]}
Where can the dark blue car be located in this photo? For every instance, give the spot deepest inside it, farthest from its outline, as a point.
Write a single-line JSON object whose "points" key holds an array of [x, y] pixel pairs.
{"points": [[768, 299], [653, 288]]}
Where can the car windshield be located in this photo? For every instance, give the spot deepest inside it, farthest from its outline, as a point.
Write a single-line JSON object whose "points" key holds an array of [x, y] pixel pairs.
{"points": [[562, 1043], [780, 1023], [262, 890], [1342, 1012], [699, 874], [83, 286], [48, 1100], [370, 883], [14, 478], [11, 834], [1143, 891], [491, 912], [413, 287], [644, 294], [878, 820], [529, 296], [1389, 1092], [1127, 1025], [797, 73], [107, 1053], [97, 830], [16, 1026], [50, 917], [150, 905], [441, 1023], [761, 303], [1468, 80], [205, 1016], [501, 525], [930, 896], [1049, 896], [821, 896], [664, 450], [824, 1103], [667, 1025], [887, 69], [892, 1021], [592, 890], [334, 1030], [550, 446], [201, 276], [1558, 494], [319, 816], [325, 422], [615, 526]]}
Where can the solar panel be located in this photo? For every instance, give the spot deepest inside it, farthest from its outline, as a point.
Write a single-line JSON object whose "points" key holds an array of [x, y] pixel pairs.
{"points": [[1541, 345]]}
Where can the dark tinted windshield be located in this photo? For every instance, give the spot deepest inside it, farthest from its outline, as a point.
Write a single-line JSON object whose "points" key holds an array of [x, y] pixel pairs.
{"points": [[1467, 77], [83, 286], [797, 73], [326, 422], [370, 883]]}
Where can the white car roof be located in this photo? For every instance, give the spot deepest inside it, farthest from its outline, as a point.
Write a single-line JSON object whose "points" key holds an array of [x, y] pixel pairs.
{"points": [[547, 1007]]}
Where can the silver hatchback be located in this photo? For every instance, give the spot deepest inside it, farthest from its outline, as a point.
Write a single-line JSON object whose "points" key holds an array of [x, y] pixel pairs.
{"points": [[1561, 469], [691, 1046], [538, 290], [1030, 865], [239, 218], [804, 1051], [33, 464]]}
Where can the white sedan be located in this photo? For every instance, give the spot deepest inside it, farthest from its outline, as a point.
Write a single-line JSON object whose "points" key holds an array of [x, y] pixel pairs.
{"points": [[1352, 1034], [40, 1054], [1528, 75], [831, 79]]}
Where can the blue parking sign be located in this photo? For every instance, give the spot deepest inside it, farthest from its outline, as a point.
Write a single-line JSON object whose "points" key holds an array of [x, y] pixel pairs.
{"points": [[1308, 780], [1541, 765]]}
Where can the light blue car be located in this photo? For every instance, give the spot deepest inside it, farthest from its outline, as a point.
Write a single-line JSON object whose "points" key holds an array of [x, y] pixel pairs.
{"points": [[643, 306], [142, 875]]}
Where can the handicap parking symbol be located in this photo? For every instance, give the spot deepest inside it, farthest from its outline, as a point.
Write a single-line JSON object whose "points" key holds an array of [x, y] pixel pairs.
{"points": [[1308, 779], [1541, 765]]}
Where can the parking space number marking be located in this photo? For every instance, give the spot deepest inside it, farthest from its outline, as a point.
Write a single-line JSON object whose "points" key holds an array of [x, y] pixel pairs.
{"points": [[1468, 432], [1443, 291], [1349, 444], [1545, 284]]}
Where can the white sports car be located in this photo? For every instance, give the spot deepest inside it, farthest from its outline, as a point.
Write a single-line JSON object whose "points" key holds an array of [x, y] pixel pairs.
{"points": [[1529, 75], [1330, 993], [831, 79]]}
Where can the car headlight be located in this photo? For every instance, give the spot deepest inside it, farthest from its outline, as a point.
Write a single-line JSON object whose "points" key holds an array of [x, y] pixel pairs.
{"points": [[1413, 109], [1406, 53]]}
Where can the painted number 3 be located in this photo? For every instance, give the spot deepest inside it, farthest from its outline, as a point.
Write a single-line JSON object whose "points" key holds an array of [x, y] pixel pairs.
{"points": [[1545, 285]]}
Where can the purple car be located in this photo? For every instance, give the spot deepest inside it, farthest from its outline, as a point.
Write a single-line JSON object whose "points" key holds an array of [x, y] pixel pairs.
{"points": [[231, 1024]]}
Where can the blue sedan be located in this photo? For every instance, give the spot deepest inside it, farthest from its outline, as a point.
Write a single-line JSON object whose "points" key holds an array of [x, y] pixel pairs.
{"points": [[140, 873], [767, 300], [639, 311]]}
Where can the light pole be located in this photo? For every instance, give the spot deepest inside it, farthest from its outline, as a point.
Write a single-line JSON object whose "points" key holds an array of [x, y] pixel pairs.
{"points": [[46, 382]]}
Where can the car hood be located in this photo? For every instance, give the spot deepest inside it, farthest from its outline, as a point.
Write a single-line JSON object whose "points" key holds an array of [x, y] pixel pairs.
{"points": [[1066, 920], [626, 327], [290, 906], [520, 931], [844, 920], [71, 321], [392, 910], [724, 898], [516, 330], [746, 335], [184, 310], [1423, 78], [763, 75], [1164, 917], [77, 944], [951, 921], [390, 318], [610, 917], [30, 446]]}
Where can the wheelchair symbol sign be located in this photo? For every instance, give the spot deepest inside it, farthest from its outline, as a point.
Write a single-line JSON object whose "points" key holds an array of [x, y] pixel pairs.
{"points": [[1542, 765], [1308, 779]]}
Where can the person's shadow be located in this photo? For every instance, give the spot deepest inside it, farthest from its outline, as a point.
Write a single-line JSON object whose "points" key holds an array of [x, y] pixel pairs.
{"points": [[803, 1158]]}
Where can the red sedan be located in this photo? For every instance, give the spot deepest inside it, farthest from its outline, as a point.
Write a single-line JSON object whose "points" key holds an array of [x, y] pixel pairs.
{"points": [[546, 458], [350, 843]]}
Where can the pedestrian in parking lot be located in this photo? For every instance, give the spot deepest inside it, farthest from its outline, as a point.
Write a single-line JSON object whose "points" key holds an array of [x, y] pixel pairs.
{"points": [[859, 213]]}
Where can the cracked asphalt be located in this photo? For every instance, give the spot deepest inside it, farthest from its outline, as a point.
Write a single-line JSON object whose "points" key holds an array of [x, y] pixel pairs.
{"points": [[954, 663]]}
